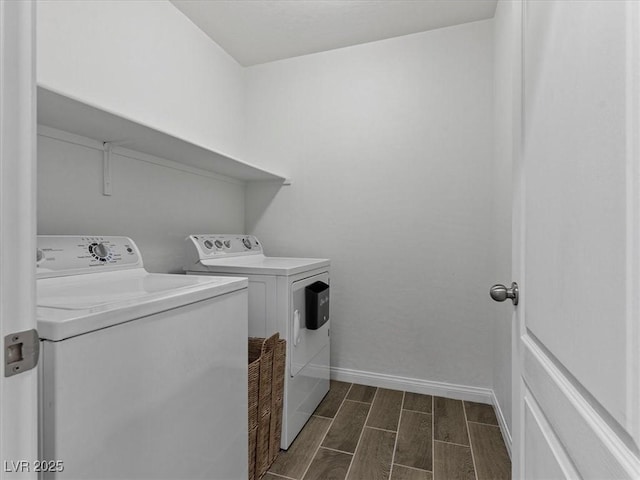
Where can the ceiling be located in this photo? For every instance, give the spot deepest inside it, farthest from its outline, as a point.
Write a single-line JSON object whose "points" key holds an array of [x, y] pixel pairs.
{"points": [[260, 31]]}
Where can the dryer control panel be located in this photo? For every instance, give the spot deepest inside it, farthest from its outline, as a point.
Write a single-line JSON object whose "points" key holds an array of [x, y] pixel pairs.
{"points": [[220, 246], [60, 255]]}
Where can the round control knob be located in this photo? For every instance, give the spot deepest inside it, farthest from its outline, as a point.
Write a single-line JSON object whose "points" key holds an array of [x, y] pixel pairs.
{"points": [[39, 255], [218, 244], [100, 250], [227, 243], [247, 242], [208, 244]]}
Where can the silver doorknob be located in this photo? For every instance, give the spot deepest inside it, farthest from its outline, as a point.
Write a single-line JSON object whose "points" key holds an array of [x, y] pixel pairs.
{"points": [[500, 293]]}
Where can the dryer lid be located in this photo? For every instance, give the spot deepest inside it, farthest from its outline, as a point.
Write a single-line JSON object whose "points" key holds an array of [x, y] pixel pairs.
{"points": [[243, 255], [261, 265]]}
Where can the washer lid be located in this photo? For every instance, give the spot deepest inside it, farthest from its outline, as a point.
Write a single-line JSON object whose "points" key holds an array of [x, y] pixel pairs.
{"points": [[73, 305], [261, 265]]}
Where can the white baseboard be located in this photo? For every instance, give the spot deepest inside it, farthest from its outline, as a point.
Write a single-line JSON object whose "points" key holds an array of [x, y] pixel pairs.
{"points": [[415, 385], [427, 387], [504, 428]]}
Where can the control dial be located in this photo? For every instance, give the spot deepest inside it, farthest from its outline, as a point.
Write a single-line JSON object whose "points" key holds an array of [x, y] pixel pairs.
{"points": [[218, 244], [208, 244], [247, 242], [99, 251], [39, 255]]}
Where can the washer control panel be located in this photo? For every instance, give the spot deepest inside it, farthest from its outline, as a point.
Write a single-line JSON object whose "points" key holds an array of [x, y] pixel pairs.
{"points": [[211, 245], [71, 255]]}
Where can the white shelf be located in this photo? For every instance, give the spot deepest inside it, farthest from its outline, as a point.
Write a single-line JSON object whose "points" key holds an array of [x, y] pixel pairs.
{"points": [[64, 113]]}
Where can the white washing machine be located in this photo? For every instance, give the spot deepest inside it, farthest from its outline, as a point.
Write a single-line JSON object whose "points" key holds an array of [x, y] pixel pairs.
{"points": [[286, 295], [142, 375]]}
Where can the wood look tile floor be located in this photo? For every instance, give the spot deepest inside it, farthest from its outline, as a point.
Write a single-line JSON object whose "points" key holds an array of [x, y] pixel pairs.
{"points": [[368, 433]]}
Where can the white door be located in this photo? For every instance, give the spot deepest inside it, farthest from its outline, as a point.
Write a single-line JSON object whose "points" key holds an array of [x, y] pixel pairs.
{"points": [[578, 241], [18, 394]]}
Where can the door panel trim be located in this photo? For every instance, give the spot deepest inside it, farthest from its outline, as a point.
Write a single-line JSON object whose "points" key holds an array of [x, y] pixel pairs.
{"points": [[555, 447], [633, 216], [593, 445]]}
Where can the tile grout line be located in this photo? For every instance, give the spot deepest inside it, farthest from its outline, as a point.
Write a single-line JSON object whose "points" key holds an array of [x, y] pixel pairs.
{"points": [[357, 401], [413, 468], [279, 476], [321, 416], [361, 433], [485, 424], [395, 444], [336, 450], [420, 411], [410, 411], [473, 457], [313, 457], [453, 443], [381, 429]]}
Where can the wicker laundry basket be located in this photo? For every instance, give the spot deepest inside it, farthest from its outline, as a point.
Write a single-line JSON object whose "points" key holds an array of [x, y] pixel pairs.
{"points": [[266, 389]]}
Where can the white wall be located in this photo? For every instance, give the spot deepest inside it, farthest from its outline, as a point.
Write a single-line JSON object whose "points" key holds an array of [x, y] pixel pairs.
{"points": [[504, 31], [156, 205], [143, 60], [390, 148]]}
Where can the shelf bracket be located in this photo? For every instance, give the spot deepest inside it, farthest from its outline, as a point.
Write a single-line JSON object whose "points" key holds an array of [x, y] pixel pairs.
{"points": [[107, 149]]}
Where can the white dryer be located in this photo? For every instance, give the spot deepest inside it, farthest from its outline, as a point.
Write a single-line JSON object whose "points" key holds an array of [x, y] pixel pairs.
{"points": [[142, 375], [286, 295]]}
